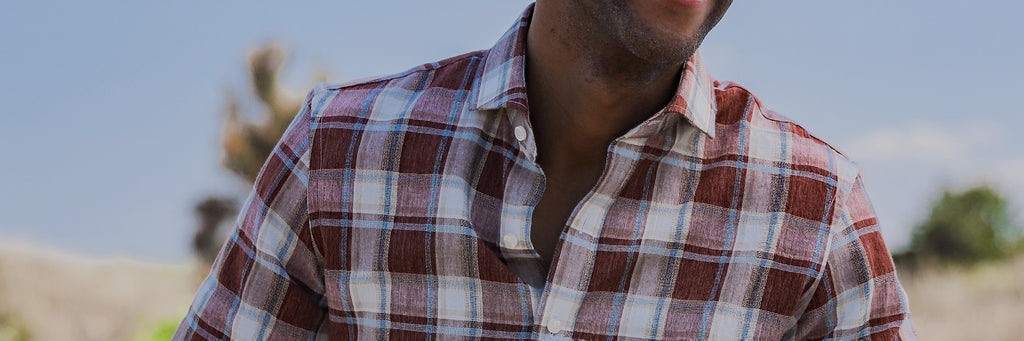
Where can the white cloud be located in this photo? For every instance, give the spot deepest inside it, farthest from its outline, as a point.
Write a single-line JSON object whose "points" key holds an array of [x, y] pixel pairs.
{"points": [[926, 142]]}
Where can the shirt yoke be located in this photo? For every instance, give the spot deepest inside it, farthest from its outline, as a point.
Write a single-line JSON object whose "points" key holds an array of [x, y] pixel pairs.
{"points": [[773, 137]]}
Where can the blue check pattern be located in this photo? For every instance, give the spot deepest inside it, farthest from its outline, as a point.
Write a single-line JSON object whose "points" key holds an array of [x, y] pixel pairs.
{"points": [[400, 207]]}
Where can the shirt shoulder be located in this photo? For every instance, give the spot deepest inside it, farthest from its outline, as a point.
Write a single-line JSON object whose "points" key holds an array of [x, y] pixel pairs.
{"points": [[772, 137], [388, 96], [355, 124]]}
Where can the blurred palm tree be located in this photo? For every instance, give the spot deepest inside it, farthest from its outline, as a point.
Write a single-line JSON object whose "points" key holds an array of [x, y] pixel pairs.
{"points": [[246, 144]]}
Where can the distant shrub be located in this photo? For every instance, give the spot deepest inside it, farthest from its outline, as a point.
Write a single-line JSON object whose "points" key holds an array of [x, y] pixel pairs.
{"points": [[964, 228], [12, 328], [162, 332]]}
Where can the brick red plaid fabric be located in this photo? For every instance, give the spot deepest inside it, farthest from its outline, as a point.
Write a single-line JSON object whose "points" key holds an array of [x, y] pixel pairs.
{"points": [[398, 208]]}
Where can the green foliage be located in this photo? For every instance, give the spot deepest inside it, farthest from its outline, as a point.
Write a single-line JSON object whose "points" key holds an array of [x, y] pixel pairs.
{"points": [[162, 332], [12, 328], [965, 228]]}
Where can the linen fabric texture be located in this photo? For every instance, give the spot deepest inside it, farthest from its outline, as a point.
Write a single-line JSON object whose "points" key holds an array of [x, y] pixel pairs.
{"points": [[399, 208]]}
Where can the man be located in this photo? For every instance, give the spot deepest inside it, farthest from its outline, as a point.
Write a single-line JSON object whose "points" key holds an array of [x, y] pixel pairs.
{"points": [[585, 178]]}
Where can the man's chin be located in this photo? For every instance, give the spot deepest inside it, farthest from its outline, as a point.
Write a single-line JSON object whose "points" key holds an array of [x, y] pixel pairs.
{"points": [[664, 49]]}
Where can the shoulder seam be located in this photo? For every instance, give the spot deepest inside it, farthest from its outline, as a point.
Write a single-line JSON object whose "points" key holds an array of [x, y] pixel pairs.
{"points": [[782, 119], [416, 69], [765, 110]]}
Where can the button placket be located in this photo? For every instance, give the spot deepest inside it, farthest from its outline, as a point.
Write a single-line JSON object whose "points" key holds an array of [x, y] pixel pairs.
{"points": [[521, 132], [516, 236], [523, 181], [560, 304], [563, 297]]}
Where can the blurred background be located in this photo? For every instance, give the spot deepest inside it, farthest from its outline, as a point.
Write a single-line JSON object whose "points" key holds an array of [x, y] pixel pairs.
{"points": [[132, 130]]}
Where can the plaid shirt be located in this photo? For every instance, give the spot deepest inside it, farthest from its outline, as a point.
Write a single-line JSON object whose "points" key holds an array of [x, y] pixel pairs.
{"points": [[399, 208]]}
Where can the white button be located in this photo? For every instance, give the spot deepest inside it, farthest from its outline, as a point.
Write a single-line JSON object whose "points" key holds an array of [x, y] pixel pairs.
{"points": [[509, 241], [520, 133], [555, 326]]}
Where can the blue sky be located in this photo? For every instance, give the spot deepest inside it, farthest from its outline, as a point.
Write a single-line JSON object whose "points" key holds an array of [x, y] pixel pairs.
{"points": [[109, 110]]}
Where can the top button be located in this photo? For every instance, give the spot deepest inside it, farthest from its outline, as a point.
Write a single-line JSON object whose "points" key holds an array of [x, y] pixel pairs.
{"points": [[555, 326], [520, 133], [509, 241]]}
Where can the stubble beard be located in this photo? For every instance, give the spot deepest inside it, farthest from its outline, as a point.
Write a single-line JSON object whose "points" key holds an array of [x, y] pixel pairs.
{"points": [[644, 48]]}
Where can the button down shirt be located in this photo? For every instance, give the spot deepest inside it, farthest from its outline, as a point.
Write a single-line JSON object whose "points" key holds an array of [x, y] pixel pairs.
{"points": [[400, 208]]}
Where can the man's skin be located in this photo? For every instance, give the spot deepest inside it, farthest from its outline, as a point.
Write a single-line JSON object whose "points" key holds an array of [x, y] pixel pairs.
{"points": [[595, 69]]}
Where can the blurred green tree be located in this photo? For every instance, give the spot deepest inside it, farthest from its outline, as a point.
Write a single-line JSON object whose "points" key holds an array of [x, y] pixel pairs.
{"points": [[13, 328], [163, 331], [247, 144], [964, 228]]}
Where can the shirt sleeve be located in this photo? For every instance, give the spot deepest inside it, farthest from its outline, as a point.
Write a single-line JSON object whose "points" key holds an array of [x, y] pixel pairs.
{"points": [[267, 281], [858, 295]]}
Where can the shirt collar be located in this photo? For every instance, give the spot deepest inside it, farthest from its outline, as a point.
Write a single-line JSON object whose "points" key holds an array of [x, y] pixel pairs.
{"points": [[502, 83]]}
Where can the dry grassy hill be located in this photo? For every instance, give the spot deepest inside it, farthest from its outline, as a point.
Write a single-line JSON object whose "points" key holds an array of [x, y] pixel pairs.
{"points": [[982, 303], [60, 296]]}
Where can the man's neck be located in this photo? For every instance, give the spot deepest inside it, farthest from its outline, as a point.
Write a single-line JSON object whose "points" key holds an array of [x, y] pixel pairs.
{"points": [[584, 95]]}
